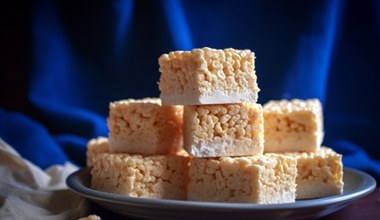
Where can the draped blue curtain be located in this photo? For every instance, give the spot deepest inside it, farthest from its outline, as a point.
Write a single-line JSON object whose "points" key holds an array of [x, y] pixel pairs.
{"points": [[81, 55]]}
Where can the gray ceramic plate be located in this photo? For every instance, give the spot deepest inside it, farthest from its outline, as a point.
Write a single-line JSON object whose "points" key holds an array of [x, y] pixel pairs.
{"points": [[357, 185]]}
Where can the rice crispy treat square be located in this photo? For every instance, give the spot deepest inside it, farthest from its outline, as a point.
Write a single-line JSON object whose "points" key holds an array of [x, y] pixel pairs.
{"points": [[223, 130], [265, 179], [293, 125], [159, 176], [208, 76], [320, 174], [145, 127]]}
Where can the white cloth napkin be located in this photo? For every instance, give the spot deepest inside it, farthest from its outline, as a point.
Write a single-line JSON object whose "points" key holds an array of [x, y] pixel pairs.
{"points": [[28, 192]]}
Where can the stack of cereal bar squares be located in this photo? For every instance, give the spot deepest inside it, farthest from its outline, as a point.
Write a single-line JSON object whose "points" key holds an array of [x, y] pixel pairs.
{"points": [[295, 128], [207, 139], [224, 127]]}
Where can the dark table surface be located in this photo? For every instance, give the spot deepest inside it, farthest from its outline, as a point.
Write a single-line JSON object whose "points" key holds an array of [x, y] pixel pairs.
{"points": [[363, 209]]}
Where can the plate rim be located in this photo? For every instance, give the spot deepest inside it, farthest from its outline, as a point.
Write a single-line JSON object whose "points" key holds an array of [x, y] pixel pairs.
{"points": [[367, 185]]}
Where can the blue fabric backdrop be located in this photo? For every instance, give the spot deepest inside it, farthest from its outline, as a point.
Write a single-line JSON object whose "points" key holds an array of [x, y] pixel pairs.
{"points": [[65, 61]]}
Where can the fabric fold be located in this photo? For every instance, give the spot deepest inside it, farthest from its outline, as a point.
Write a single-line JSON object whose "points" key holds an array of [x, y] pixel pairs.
{"points": [[28, 192]]}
